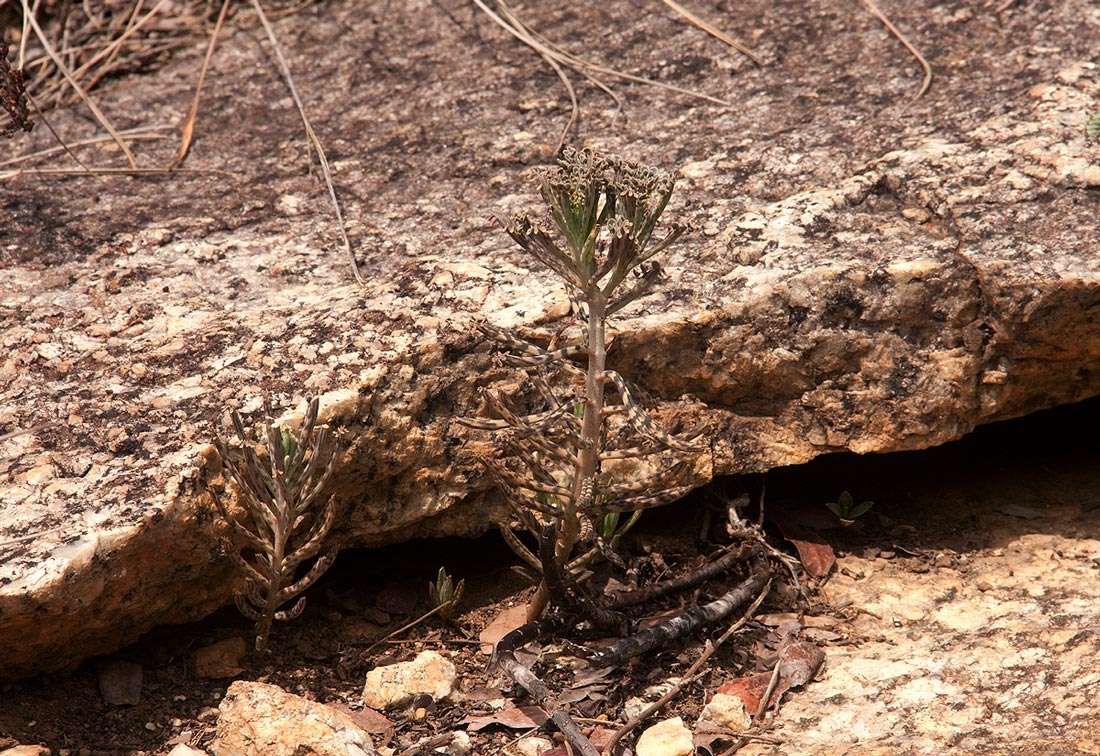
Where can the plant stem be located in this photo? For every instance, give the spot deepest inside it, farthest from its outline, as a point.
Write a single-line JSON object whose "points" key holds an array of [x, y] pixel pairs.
{"points": [[588, 455]]}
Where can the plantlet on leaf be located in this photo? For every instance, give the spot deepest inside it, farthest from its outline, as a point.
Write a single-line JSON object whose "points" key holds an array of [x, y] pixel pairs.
{"points": [[445, 594], [1092, 127], [287, 518], [563, 467], [846, 509]]}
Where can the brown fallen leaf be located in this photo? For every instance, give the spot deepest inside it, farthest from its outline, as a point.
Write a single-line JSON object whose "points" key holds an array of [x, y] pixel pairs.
{"points": [[512, 717], [505, 622], [706, 734], [798, 662], [816, 555], [369, 721], [749, 689]]}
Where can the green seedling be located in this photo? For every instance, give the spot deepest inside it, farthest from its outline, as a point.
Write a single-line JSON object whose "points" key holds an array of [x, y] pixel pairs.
{"points": [[1092, 127], [445, 594], [846, 509]]}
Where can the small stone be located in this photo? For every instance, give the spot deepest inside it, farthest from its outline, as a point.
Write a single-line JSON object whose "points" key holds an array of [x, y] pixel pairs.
{"points": [[634, 706], [916, 214], [259, 719], [460, 744], [397, 684], [727, 711], [151, 726], [532, 746], [668, 738], [26, 750], [221, 659], [120, 683], [182, 749], [420, 713]]}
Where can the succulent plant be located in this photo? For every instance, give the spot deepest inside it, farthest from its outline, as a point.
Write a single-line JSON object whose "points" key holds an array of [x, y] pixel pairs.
{"points": [[287, 519], [846, 509]]}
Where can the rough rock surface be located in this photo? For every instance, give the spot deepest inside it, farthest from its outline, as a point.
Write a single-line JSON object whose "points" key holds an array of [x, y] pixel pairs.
{"points": [[670, 737], [873, 273], [429, 674], [257, 719], [979, 637]]}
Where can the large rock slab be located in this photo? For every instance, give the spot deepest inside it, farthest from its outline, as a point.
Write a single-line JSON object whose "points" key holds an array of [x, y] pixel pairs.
{"points": [[871, 275]]}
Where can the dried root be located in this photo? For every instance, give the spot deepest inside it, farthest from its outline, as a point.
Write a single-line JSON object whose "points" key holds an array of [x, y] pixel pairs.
{"points": [[287, 519]]}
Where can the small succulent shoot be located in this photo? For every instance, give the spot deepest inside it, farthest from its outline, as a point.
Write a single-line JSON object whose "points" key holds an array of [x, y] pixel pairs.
{"points": [[609, 529], [444, 594], [846, 509], [287, 517], [1092, 127]]}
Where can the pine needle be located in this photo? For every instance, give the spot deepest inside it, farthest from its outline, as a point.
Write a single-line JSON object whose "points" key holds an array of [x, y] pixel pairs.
{"points": [[192, 116], [871, 6], [103, 120], [314, 141], [713, 31]]}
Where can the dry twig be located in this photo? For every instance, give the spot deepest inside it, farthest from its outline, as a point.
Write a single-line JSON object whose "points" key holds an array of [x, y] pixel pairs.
{"points": [[692, 672]]}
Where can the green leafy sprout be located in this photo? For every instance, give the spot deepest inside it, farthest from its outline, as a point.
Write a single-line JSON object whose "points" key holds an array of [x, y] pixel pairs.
{"points": [[846, 509], [445, 594]]}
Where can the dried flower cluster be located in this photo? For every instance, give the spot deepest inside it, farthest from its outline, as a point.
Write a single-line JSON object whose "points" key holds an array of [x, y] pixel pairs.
{"points": [[287, 518], [13, 95]]}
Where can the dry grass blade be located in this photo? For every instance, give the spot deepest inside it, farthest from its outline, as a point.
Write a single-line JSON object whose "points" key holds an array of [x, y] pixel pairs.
{"points": [[536, 42], [189, 124], [713, 31], [111, 51], [520, 32], [877, 13], [143, 133], [107, 172], [103, 120], [314, 141]]}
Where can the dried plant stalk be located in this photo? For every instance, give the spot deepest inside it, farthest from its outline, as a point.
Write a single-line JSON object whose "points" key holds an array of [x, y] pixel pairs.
{"points": [[287, 517]]}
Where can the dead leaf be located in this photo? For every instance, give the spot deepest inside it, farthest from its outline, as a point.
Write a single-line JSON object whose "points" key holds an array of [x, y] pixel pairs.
{"points": [[600, 737], [814, 552], [512, 717], [749, 689], [505, 622], [369, 721], [798, 662], [706, 734]]}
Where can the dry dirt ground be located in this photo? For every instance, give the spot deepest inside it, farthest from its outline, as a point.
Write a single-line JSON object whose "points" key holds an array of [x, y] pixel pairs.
{"points": [[962, 617]]}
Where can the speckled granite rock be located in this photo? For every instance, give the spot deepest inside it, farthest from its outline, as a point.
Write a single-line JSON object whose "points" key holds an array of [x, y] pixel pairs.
{"points": [[257, 719], [866, 279]]}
